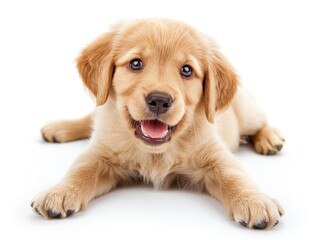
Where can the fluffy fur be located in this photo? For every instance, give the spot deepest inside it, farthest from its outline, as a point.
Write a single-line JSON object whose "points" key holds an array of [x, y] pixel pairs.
{"points": [[210, 112]]}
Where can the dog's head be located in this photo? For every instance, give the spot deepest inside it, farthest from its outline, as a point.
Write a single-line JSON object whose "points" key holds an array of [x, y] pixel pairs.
{"points": [[161, 73]]}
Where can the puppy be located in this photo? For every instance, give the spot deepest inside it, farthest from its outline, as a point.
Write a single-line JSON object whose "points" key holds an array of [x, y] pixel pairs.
{"points": [[169, 109]]}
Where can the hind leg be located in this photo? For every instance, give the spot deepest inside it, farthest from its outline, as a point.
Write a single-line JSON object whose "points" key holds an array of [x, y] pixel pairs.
{"points": [[252, 122], [268, 140], [67, 130]]}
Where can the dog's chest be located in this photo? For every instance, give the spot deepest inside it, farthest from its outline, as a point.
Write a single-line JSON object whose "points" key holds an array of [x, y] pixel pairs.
{"points": [[157, 169]]}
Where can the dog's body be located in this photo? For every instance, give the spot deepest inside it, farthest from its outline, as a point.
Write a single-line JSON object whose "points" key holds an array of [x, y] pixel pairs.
{"points": [[159, 85]]}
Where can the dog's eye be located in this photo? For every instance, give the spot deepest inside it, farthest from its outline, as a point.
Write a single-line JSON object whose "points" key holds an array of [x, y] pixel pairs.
{"points": [[136, 64], [186, 71]]}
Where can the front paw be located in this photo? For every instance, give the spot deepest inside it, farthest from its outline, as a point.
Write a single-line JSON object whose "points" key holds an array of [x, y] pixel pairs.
{"points": [[58, 202], [256, 211]]}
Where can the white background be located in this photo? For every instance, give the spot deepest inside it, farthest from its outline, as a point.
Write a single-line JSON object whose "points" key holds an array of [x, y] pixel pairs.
{"points": [[272, 44]]}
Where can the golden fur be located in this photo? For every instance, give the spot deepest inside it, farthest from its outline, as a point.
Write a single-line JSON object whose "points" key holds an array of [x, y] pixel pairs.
{"points": [[210, 110]]}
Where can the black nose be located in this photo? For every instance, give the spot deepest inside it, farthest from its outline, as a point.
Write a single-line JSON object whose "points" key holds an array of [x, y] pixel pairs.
{"points": [[158, 102]]}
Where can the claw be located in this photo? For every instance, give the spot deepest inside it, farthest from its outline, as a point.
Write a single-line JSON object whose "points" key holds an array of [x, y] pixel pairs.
{"points": [[279, 147], [243, 223], [69, 213], [52, 214], [261, 225]]}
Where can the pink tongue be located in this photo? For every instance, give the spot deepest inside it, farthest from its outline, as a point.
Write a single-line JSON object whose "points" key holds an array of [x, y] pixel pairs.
{"points": [[154, 128]]}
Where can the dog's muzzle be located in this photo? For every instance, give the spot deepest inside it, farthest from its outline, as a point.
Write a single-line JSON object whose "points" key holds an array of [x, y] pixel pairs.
{"points": [[154, 131]]}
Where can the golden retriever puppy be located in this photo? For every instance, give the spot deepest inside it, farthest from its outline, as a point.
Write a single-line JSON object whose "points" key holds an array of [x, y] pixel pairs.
{"points": [[169, 110]]}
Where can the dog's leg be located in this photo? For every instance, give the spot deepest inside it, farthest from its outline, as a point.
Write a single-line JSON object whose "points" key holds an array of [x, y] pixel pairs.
{"points": [[67, 130], [268, 140], [89, 177], [253, 124], [225, 179]]}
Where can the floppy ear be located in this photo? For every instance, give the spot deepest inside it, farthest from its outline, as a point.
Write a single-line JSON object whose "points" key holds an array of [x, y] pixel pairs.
{"points": [[220, 85], [95, 65]]}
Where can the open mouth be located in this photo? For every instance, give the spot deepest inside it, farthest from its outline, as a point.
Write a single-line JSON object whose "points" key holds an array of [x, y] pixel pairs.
{"points": [[153, 132]]}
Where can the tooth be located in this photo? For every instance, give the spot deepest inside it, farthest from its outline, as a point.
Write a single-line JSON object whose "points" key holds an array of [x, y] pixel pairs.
{"points": [[143, 131], [165, 133]]}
